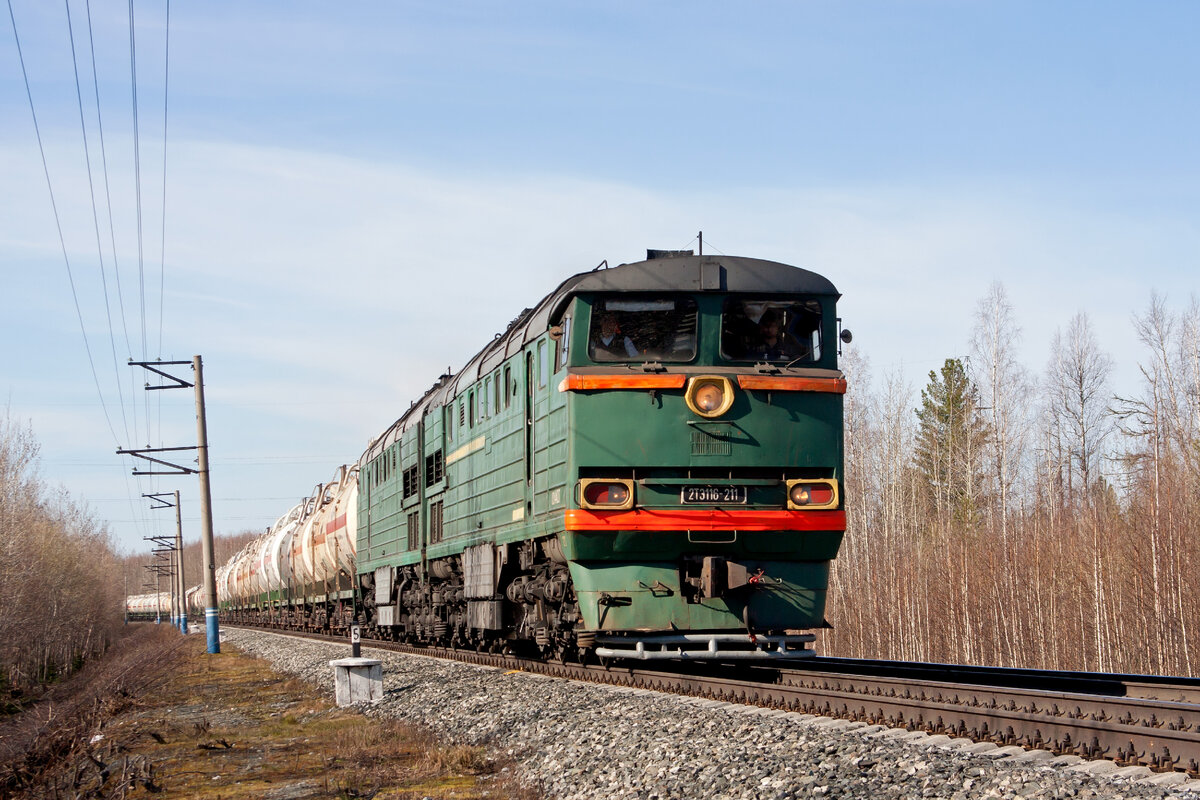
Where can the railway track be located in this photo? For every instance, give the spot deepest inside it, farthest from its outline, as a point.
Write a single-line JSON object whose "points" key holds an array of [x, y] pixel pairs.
{"points": [[1130, 719]]}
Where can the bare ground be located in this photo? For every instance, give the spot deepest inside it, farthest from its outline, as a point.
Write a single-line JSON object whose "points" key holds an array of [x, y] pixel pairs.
{"points": [[161, 717]]}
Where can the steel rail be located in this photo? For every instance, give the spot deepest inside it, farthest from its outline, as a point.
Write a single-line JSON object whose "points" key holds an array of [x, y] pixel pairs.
{"points": [[1149, 687], [1163, 734]]}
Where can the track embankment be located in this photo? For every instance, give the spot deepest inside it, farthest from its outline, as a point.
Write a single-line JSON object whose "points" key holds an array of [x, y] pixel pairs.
{"points": [[586, 740]]}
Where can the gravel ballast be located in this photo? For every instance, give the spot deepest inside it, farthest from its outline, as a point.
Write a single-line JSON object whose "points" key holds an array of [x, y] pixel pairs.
{"points": [[579, 740]]}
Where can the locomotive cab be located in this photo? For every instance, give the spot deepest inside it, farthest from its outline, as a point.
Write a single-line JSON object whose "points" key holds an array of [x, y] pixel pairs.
{"points": [[704, 453]]}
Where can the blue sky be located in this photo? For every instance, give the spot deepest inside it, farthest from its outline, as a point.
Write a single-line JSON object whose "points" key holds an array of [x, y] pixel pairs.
{"points": [[359, 195]]}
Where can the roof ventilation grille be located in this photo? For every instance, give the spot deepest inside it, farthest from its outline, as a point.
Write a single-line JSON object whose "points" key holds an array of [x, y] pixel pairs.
{"points": [[651, 255]]}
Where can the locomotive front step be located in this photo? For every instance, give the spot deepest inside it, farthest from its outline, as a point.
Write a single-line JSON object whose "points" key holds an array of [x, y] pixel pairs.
{"points": [[706, 646]]}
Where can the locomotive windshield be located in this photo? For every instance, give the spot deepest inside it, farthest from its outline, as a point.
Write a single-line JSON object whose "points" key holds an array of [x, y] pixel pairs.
{"points": [[649, 328], [771, 330]]}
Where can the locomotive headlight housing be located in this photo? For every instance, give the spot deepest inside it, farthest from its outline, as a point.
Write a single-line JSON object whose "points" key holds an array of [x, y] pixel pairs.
{"points": [[606, 493], [709, 396], [812, 494]]}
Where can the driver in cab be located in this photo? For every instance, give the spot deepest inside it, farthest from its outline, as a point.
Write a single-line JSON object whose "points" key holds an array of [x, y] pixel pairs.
{"points": [[773, 344], [607, 339]]}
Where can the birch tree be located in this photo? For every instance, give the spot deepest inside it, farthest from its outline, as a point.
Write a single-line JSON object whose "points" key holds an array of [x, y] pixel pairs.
{"points": [[1163, 440], [1004, 388], [1077, 383], [1004, 385]]}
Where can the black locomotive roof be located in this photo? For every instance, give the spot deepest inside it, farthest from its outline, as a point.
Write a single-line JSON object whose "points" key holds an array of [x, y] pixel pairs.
{"points": [[692, 274], [675, 274]]}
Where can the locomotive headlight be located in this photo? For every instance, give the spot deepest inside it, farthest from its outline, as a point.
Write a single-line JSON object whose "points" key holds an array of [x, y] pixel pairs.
{"points": [[812, 494], [709, 396], [602, 493]]}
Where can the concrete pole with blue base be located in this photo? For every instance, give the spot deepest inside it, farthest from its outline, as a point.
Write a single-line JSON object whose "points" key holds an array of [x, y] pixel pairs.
{"points": [[206, 531], [180, 583]]}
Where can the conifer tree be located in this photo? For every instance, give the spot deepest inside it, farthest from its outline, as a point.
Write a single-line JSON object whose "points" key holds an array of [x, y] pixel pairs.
{"points": [[950, 446]]}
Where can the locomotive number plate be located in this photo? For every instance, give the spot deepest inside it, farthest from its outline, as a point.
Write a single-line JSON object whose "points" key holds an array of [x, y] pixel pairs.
{"points": [[713, 494]]}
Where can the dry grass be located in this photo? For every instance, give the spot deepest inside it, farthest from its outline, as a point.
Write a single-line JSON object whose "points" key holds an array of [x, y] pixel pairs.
{"points": [[226, 726], [386, 758], [57, 729]]}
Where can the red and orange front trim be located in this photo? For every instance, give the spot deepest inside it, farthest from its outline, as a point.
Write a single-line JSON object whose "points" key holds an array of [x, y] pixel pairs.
{"points": [[704, 519], [776, 383], [790, 384], [584, 383]]}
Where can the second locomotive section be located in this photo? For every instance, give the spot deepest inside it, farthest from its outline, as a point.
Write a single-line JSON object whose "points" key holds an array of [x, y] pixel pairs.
{"points": [[648, 463]]}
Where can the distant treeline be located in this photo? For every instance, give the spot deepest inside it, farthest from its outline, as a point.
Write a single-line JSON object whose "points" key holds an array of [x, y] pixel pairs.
{"points": [[1010, 519], [58, 602]]}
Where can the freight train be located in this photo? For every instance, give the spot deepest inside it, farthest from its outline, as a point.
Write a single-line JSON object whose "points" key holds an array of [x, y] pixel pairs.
{"points": [[646, 464]]}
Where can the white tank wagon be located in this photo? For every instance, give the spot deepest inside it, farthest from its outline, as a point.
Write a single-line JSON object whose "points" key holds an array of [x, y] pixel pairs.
{"points": [[195, 600], [302, 566], [245, 577], [300, 572], [258, 564], [239, 581], [246, 587], [329, 542], [227, 580], [148, 606], [280, 567], [231, 577], [293, 552], [224, 592], [275, 570]]}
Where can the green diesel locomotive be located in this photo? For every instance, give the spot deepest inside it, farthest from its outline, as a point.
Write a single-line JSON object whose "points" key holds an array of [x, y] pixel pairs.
{"points": [[647, 464]]}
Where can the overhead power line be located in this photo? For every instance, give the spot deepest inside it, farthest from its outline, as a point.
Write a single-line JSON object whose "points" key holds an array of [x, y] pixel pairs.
{"points": [[162, 257], [58, 223], [87, 156], [112, 235], [96, 221], [137, 180]]}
